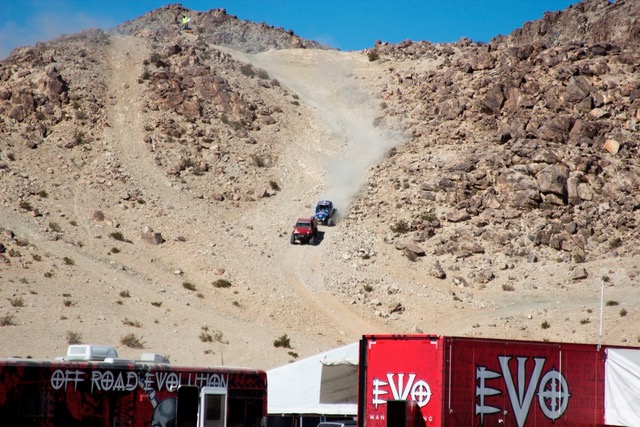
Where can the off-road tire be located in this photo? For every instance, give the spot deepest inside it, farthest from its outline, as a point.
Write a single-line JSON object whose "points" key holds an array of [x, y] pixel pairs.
{"points": [[293, 239]]}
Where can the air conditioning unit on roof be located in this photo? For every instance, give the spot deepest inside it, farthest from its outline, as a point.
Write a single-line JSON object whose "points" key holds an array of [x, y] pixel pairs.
{"points": [[90, 352]]}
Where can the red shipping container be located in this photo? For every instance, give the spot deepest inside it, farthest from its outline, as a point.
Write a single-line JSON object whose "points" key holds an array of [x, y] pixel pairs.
{"points": [[482, 382]]}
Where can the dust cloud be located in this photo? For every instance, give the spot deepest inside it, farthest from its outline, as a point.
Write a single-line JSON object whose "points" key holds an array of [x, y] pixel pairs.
{"points": [[348, 143]]}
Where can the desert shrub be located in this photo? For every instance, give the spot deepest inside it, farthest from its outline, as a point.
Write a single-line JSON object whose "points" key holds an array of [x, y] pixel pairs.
{"points": [[623, 312], [74, 337], [43, 194], [48, 274], [258, 161], [157, 303], [400, 226], [16, 302], [219, 336], [585, 321], [79, 137], [25, 205], [186, 163], [429, 217], [615, 243], [189, 286], [115, 250], [274, 185], [368, 288], [373, 55], [221, 283], [68, 261], [247, 70], [262, 74], [14, 253], [293, 354], [508, 287], [132, 341], [125, 294], [578, 258], [606, 278], [283, 342], [155, 57], [7, 320], [69, 303], [611, 303], [117, 235], [133, 323], [545, 325], [210, 336], [205, 335]]}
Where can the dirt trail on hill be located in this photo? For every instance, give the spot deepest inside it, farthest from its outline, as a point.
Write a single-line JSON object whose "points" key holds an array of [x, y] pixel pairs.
{"points": [[332, 156], [327, 81]]}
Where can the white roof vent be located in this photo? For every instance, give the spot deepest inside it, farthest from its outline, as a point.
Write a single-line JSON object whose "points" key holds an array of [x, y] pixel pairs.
{"points": [[153, 358], [118, 361], [90, 352]]}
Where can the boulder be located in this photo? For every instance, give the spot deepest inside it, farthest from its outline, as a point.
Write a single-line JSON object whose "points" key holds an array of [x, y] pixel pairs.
{"points": [[579, 273], [458, 216], [493, 100], [416, 249], [151, 237], [460, 281], [612, 146], [553, 179], [484, 276], [577, 89], [437, 271]]}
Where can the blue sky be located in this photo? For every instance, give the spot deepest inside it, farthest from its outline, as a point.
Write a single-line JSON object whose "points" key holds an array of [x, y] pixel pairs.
{"points": [[343, 24]]}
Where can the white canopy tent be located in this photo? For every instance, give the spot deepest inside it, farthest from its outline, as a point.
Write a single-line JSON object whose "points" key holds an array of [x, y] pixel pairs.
{"points": [[325, 384], [622, 387]]}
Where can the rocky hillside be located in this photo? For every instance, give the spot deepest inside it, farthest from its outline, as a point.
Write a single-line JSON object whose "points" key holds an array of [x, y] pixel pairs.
{"points": [[545, 135], [151, 176]]}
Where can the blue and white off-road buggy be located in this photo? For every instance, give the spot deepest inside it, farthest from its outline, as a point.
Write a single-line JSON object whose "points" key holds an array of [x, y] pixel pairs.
{"points": [[325, 212]]}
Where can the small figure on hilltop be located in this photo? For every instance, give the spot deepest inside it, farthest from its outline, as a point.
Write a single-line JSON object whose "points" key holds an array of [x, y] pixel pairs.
{"points": [[185, 22]]}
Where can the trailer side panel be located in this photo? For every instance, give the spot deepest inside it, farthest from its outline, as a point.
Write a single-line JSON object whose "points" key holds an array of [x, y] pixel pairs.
{"points": [[400, 368]]}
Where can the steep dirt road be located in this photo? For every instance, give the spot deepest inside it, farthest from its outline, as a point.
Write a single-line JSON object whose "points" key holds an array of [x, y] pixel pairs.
{"points": [[335, 153]]}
